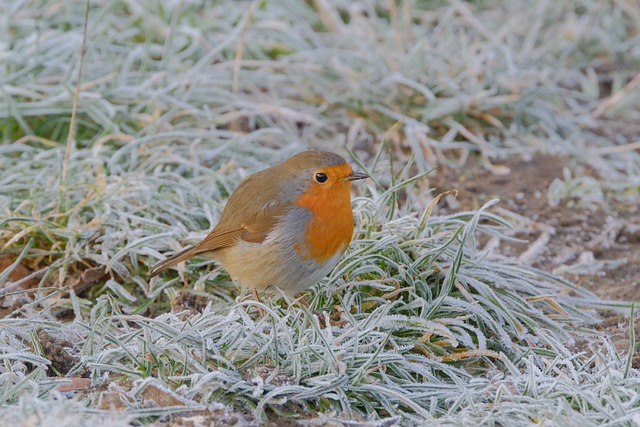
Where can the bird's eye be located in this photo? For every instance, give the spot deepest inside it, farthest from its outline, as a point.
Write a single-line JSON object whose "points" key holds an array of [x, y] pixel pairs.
{"points": [[321, 177]]}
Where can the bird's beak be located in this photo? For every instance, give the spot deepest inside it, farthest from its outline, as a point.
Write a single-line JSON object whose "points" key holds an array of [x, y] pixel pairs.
{"points": [[353, 176]]}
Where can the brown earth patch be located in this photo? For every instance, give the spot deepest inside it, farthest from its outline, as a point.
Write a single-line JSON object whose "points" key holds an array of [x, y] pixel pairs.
{"points": [[597, 246]]}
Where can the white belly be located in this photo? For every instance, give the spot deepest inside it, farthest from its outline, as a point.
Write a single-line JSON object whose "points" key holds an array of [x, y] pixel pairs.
{"points": [[261, 265]]}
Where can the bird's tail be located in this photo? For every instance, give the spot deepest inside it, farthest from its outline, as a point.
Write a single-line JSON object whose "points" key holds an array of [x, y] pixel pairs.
{"points": [[183, 255]]}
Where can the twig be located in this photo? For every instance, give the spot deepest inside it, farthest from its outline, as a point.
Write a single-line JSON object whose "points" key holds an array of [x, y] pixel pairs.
{"points": [[616, 98], [74, 109], [618, 148], [237, 63]]}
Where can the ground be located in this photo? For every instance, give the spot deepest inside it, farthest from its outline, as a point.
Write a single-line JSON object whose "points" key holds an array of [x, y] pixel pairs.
{"points": [[126, 126], [609, 236], [597, 247]]}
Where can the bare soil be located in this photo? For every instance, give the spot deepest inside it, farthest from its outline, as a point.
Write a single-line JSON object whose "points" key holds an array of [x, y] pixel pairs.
{"points": [[596, 247]]}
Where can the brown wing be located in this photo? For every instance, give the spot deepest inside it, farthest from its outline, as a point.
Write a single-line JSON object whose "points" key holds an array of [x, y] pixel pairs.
{"points": [[215, 240], [252, 211], [218, 238], [250, 214]]}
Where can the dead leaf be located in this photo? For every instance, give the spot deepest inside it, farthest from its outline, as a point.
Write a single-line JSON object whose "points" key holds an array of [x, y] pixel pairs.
{"points": [[88, 278], [76, 384], [18, 273], [162, 398], [111, 400]]}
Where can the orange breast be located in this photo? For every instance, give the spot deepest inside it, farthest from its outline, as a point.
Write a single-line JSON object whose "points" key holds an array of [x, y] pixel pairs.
{"points": [[331, 225]]}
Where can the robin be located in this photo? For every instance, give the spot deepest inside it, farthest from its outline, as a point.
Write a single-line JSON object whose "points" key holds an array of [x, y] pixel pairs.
{"points": [[285, 226]]}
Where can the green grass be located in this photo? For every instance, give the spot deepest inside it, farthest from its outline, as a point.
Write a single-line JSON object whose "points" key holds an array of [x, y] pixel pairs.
{"points": [[419, 321]]}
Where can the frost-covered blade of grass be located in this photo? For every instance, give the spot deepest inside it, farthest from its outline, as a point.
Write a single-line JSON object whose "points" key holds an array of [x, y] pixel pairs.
{"points": [[181, 100], [412, 324], [436, 77]]}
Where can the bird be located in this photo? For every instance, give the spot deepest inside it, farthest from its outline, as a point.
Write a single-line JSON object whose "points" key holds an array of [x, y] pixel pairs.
{"points": [[286, 226]]}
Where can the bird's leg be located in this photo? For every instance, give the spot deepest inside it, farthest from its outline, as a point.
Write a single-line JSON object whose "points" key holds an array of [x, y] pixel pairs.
{"points": [[302, 301], [254, 292]]}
